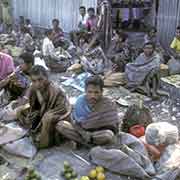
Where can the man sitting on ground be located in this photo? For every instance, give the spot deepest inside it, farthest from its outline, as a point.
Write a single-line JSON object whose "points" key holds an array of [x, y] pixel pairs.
{"points": [[6, 65], [52, 60], [18, 81], [58, 35], [175, 45], [95, 117], [48, 105], [143, 74], [119, 52]]}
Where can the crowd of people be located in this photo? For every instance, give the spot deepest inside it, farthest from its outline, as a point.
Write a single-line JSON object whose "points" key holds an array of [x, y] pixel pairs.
{"points": [[96, 48]]}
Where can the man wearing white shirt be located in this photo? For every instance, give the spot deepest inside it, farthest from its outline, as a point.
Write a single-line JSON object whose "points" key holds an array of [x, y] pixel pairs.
{"points": [[48, 48], [49, 53], [82, 18]]}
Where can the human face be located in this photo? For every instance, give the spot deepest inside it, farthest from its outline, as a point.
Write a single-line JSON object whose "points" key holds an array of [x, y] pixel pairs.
{"points": [[153, 33], [55, 24], [178, 33], [51, 36], [26, 67], [93, 94], [39, 82], [148, 50], [82, 11], [91, 13]]}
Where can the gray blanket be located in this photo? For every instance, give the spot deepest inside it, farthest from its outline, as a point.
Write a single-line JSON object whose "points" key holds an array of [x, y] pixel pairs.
{"points": [[137, 71], [130, 159]]}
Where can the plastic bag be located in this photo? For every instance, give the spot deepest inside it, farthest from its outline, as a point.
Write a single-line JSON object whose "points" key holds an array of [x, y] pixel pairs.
{"points": [[41, 62], [8, 113], [117, 162], [10, 132], [174, 66], [161, 133], [22, 147]]}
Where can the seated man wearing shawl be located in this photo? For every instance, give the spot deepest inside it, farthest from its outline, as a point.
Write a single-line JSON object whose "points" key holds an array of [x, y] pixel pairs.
{"points": [[95, 118], [143, 74], [48, 105], [18, 81]]}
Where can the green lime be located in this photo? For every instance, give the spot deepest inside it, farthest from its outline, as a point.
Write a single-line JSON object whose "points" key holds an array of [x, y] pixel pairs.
{"points": [[68, 176], [74, 174], [66, 165]]}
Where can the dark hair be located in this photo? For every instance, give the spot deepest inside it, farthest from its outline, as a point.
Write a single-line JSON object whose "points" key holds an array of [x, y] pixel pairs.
{"points": [[94, 80], [38, 70], [82, 7], [178, 28], [27, 58], [28, 21], [123, 35], [149, 43], [25, 30], [55, 20], [91, 9], [48, 32], [153, 29], [21, 18]]}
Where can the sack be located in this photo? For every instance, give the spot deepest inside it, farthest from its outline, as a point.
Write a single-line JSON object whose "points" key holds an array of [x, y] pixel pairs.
{"points": [[22, 147], [174, 66], [10, 132], [161, 133], [118, 162], [114, 79], [10, 112]]}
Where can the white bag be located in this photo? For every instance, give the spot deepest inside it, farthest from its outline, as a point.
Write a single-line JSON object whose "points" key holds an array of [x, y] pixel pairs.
{"points": [[161, 133], [41, 62], [22, 147]]}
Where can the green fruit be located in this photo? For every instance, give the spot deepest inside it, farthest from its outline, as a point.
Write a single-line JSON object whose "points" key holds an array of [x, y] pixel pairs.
{"points": [[31, 170], [68, 176], [68, 170], [66, 165], [27, 178], [33, 175], [74, 174]]}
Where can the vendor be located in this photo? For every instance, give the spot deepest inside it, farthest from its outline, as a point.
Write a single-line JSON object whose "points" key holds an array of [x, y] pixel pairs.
{"points": [[18, 81], [49, 53], [95, 117], [48, 105], [143, 74], [175, 45], [58, 34], [6, 65]]}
